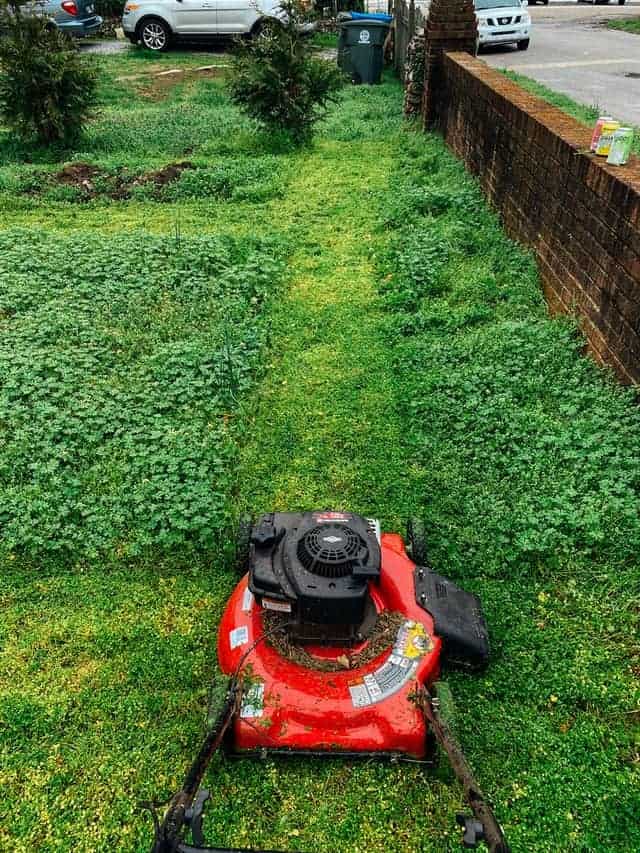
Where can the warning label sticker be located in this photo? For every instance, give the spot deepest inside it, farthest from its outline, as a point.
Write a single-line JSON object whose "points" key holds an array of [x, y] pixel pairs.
{"points": [[324, 517], [247, 601], [253, 701], [412, 643], [238, 636]]}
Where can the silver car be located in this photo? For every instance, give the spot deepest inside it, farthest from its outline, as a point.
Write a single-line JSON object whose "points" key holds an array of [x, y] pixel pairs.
{"points": [[157, 23]]}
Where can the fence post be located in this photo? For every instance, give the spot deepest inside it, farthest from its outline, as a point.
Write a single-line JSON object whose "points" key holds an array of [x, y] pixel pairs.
{"points": [[451, 25]]}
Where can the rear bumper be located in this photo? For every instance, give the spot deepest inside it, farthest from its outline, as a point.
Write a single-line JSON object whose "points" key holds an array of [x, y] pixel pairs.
{"points": [[81, 29]]}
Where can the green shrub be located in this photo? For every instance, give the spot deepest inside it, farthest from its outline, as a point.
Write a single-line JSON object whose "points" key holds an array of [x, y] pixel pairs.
{"points": [[276, 79], [46, 89]]}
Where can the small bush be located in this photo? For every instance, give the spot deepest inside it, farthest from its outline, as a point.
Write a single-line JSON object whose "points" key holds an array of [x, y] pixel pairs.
{"points": [[46, 89], [276, 80]]}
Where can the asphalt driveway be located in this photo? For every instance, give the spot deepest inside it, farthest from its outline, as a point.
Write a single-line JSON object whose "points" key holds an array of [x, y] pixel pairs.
{"points": [[573, 52]]}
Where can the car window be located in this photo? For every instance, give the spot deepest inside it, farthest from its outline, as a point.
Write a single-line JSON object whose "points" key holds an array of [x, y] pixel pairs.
{"points": [[495, 4]]}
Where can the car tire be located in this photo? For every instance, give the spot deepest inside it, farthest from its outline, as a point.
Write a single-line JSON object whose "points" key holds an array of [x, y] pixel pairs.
{"points": [[524, 44], [621, 2], [265, 27], [154, 34]]}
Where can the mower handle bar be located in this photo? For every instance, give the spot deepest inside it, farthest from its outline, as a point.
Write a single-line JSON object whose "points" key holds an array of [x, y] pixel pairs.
{"points": [[186, 806]]}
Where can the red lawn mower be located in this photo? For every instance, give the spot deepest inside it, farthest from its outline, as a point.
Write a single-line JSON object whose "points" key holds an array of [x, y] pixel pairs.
{"points": [[333, 641]]}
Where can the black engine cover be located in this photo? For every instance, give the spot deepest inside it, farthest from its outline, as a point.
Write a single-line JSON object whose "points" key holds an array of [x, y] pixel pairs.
{"points": [[316, 566]]}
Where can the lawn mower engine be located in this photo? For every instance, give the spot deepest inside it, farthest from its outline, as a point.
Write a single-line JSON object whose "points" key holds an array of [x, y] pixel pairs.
{"points": [[333, 641]]}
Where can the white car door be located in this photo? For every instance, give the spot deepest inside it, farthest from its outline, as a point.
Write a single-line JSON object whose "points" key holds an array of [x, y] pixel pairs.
{"points": [[236, 16], [195, 16]]}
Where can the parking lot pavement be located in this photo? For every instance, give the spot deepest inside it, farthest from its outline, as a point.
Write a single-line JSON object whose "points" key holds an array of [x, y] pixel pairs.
{"points": [[573, 52]]}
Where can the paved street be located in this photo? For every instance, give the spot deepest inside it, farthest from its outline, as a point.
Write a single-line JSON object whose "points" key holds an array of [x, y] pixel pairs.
{"points": [[573, 52]]}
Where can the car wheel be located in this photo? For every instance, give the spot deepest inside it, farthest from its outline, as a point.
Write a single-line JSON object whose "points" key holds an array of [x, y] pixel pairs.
{"points": [[265, 27], [524, 44], [155, 34], [621, 2]]}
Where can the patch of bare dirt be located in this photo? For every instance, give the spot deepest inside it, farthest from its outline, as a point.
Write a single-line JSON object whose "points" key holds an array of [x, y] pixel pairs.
{"points": [[166, 175], [158, 86], [92, 181], [78, 175]]}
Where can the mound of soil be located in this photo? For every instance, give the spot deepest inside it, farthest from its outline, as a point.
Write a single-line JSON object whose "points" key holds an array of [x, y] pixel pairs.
{"points": [[84, 176], [166, 175], [78, 175]]}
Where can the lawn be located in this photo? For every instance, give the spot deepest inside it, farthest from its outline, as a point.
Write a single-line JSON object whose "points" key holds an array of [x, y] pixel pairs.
{"points": [[344, 325], [629, 25]]}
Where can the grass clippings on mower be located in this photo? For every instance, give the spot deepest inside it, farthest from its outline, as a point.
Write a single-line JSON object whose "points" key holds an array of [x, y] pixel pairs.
{"points": [[382, 638]]}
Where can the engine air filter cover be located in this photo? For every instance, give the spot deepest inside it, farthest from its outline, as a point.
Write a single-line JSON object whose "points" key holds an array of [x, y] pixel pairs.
{"points": [[331, 550], [317, 565]]}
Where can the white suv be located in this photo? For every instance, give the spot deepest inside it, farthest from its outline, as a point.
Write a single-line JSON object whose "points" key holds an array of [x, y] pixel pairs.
{"points": [[156, 23], [503, 22]]}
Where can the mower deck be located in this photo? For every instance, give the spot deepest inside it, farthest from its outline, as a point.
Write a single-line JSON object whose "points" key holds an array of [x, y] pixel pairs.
{"points": [[291, 704]]}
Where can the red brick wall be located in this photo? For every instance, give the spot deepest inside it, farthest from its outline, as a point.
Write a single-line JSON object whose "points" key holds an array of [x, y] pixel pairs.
{"points": [[581, 216], [451, 26]]}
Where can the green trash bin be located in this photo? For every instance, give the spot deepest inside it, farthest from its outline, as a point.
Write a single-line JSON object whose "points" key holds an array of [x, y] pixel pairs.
{"points": [[360, 49]]}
